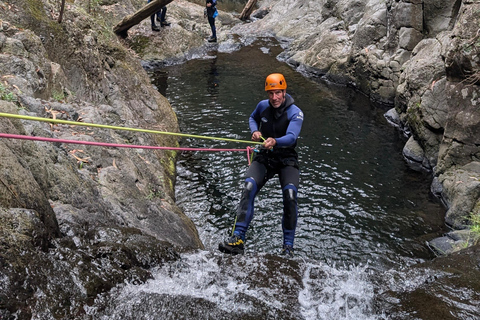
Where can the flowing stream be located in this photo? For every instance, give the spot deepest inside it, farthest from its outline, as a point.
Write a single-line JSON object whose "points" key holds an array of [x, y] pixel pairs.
{"points": [[363, 215]]}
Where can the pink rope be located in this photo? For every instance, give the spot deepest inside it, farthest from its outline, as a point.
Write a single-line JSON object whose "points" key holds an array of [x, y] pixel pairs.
{"points": [[249, 154], [112, 145]]}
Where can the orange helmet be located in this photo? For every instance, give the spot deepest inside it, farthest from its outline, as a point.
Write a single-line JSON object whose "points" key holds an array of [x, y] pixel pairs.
{"points": [[275, 81]]}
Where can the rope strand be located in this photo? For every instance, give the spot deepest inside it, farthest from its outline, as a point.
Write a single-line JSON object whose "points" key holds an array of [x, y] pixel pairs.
{"points": [[113, 145], [86, 124]]}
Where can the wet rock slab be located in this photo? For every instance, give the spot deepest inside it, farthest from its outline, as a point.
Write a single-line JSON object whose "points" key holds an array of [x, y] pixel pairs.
{"points": [[447, 287]]}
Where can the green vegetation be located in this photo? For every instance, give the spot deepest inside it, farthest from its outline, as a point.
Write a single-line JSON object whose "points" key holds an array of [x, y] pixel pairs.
{"points": [[475, 227], [58, 96], [474, 234], [155, 192], [6, 94], [414, 112], [140, 43]]}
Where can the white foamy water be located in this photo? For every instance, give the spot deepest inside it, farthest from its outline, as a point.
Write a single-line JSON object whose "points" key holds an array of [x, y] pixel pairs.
{"points": [[243, 285], [337, 294]]}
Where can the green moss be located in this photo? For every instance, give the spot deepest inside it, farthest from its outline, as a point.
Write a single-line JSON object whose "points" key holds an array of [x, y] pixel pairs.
{"points": [[415, 117], [36, 11], [155, 192], [140, 43], [475, 226], [6, 94], [58, 96]]}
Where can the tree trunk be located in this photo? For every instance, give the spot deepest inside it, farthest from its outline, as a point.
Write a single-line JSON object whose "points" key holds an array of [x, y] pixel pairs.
{"points": [[121, 29], [247, 11], [62, 8]]}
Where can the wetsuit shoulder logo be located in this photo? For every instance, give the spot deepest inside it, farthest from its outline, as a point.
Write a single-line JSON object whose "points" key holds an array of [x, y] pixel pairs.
{"points": [[265, 120], [300, 115]]}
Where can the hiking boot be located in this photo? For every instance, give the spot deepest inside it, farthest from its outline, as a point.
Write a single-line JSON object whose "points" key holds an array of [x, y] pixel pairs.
{"points": [[212, 39], [233, 245], [155, 28], [287, 251], [165, 24]]}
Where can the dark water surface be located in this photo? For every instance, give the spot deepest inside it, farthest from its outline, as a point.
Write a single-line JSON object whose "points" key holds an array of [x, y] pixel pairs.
{"points": [[358, 202]]}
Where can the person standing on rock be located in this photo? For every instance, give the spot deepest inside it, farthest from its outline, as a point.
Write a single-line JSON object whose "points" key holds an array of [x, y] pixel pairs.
{"points": [[277, 121], [211, 12], [160, 18]]}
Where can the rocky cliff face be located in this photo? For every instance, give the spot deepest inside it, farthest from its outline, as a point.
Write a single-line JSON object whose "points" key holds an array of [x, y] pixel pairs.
{"points": [[420, 57], [105, 212]]}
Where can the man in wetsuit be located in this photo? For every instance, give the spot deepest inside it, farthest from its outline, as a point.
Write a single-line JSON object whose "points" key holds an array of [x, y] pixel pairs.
{"points": [[277, 121]]}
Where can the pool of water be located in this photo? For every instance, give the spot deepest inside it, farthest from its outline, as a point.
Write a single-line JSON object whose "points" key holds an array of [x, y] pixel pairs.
{"points": [[358, 201]]}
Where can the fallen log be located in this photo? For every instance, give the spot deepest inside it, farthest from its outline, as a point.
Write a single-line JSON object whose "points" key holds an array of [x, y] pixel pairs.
{"points": [[121, 29], [247, 10]]}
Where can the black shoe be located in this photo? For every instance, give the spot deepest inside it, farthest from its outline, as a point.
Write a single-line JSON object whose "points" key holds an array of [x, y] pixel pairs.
{"points": [[287, 251], [212, 39], [233, 246], [164, 24], [155, 28]]}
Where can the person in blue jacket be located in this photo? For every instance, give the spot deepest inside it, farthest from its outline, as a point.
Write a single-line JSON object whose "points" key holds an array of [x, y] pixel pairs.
{"points": [[277, 121], [211, 14]]}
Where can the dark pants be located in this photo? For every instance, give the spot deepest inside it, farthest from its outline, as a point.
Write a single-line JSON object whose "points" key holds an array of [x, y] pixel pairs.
{"points": [[257, 175], [160, 14], [211, 21]]}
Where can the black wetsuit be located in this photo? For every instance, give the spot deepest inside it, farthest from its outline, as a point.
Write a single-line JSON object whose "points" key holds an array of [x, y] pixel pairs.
{"points": [[284, 124]]}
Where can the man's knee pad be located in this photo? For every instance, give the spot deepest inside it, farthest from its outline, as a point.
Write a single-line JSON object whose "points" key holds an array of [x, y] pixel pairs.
{"points": [[246, 201], [290, 206], [250, 184]]}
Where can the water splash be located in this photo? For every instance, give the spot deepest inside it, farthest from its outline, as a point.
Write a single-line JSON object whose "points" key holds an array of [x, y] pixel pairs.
{"points": [[259, 286], [331, 293]]}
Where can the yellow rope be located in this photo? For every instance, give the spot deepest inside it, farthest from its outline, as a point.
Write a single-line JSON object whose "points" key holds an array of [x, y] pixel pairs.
{"points": [[86, 124]]}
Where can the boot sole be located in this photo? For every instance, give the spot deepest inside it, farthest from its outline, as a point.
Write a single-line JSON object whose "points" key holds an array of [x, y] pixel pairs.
{"points": [[230, 250]]}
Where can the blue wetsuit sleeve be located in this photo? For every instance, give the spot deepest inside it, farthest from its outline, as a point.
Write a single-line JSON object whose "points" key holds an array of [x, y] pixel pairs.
{"points": [[254, 119], [295, 115]]}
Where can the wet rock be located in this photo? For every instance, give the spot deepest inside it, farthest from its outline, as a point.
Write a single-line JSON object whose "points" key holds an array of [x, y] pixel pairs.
{"points": [[452, 242], [461, 191], [430, 291], [76, 268], [222, 292], [392, 116], [414, 155]]}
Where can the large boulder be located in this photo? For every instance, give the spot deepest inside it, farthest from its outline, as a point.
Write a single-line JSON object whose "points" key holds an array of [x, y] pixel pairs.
{"points": [[461, 192], [421, 98]]}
